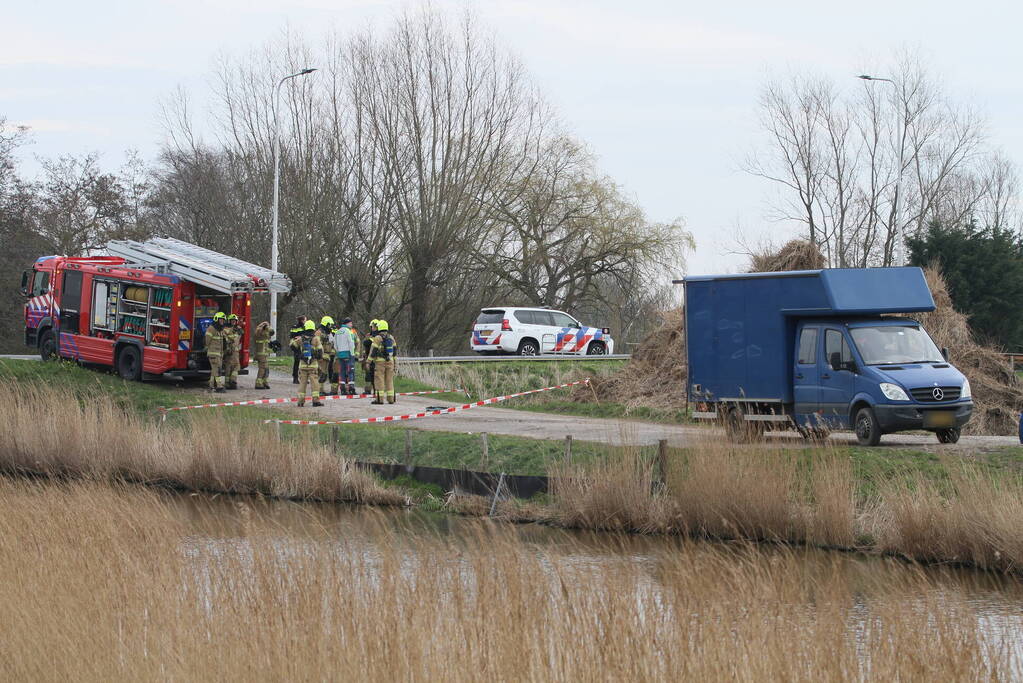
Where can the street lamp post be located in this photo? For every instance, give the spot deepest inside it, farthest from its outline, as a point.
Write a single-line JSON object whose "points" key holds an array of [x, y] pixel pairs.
{"points": [[899, 237], [277, 192]]}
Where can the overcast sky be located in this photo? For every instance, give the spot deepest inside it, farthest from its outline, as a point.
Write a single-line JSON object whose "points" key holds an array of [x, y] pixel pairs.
{"points": [[663, 91]]}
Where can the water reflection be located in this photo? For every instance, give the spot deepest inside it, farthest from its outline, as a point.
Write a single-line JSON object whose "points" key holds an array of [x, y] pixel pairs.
{"points": [[226, 519]]}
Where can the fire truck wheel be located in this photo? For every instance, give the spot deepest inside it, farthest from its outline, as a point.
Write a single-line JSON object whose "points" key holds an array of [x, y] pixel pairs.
{"points": [[48, 345], [129, 364]]}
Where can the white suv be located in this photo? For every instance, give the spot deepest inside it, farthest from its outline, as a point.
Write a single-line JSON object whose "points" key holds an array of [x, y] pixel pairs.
{"points": [[532, 331]]}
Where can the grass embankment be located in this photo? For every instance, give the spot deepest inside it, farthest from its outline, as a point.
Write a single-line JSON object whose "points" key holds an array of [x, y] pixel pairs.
{"points": [[496, 378], [106, 582]]}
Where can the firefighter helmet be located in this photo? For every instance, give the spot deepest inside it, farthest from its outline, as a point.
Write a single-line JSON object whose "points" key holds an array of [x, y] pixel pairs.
{"points": [[326, 320], [310, 325], [219, 315], [382, 326]]}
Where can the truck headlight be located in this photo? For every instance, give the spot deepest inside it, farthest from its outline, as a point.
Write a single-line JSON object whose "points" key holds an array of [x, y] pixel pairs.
{"points": [[966, 390], [893, 392]]}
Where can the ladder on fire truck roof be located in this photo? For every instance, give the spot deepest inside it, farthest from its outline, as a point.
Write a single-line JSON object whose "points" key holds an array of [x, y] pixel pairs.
{"points": [[203, 266]]}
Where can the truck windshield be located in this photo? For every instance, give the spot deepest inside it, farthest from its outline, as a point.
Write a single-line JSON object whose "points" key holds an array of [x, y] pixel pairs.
{"points": [[895, 344]]}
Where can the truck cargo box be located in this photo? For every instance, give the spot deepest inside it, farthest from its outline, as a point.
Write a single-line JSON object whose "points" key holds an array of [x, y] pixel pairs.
{"points": [[740, 328]]}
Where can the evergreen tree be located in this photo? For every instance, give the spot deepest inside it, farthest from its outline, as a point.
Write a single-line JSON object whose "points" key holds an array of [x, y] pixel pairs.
{"points": [[984, 271]]}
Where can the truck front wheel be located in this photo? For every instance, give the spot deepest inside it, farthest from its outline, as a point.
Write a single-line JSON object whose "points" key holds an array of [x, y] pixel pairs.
{"points": [[48, 345], [950, 435], [868, 431]]}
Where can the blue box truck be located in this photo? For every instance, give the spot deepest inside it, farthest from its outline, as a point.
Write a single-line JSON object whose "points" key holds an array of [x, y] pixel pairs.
{"points": [[819, 350]]}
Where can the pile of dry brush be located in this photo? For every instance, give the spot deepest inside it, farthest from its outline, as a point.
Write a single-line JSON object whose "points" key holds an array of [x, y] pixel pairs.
{"points": [[656, 376], [997, 391]]}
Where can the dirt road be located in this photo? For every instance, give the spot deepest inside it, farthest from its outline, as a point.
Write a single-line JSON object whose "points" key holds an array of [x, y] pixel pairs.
{"points": [[534, 425]]}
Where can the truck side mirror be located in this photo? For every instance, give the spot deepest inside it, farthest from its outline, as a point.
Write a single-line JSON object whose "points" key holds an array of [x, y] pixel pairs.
{"points": [[836, 361], [944, 353], [26, 282]]}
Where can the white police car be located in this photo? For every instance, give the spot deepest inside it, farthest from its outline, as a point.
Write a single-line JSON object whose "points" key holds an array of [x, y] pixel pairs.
{"points": [[532, 331]]}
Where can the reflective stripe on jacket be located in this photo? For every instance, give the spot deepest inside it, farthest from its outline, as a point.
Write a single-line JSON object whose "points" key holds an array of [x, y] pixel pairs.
{"points": [[384, 346], [214, 341], [261, 342]]}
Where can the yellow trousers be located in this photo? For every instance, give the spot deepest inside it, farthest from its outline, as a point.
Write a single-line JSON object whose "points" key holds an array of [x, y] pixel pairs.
{"points": [[231, 367], [383, 380], [215, 362], [263, 374], [308, 378]]}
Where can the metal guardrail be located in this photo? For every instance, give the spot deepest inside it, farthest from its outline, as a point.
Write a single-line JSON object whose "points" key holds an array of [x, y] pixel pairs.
{"points": [[505, 359]]}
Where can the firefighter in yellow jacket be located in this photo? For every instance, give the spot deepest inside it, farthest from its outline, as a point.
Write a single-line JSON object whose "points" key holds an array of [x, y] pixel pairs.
{"points": [[310, 351], [214, 343], [232, 351], [382, 352], [261, 352], [328, 367]]}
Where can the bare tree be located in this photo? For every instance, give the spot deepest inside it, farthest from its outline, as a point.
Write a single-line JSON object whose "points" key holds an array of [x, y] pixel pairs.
{"points": [[403, 161], [81, 207], [837, 159], [565, 234]]}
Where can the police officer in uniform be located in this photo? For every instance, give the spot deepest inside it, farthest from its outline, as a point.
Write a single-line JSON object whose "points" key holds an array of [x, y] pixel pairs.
{"points": [[261, 352], [383, 350], [214, 342], [309, 351]]}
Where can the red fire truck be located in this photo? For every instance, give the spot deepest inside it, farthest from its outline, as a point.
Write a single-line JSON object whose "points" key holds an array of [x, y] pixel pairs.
{"points": [[142, 308]]}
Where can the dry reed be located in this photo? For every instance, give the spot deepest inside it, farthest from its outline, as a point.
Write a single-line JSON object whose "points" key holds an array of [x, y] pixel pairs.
{"points": [[47, 431], [102, 582], [716, 490], [720, 490]]}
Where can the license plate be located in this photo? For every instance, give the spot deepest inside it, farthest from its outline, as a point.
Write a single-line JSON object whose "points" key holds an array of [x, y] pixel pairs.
{"points": [[484, 333], [939, 419]]}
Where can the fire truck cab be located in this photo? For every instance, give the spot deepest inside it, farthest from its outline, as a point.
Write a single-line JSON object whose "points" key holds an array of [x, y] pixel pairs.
{"points": [[141, 309]]}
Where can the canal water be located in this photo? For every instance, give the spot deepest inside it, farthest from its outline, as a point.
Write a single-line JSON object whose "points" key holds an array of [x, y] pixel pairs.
{"points": [[224, 521]]}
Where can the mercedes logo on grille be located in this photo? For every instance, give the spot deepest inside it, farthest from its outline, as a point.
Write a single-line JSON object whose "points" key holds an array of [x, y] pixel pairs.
{"points": [[938, 394]]}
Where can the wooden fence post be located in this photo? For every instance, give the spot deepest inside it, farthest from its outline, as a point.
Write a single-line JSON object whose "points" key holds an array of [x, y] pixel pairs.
{"points": [[408, 447], [568, 449], [486, 448], [335, 438]]}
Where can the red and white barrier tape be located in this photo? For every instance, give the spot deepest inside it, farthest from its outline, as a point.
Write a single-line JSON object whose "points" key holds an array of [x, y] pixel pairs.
{"points": [[333, 397], [428, 413]]}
